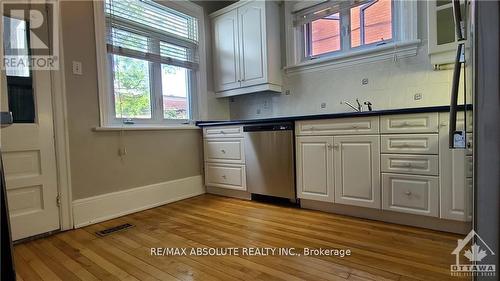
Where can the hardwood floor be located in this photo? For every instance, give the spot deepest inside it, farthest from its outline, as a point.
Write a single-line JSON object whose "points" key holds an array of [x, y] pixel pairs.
{"points": [[380, 251]]}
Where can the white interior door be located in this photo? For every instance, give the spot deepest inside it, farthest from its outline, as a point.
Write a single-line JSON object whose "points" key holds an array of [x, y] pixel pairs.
{"points": [[28, 147]]}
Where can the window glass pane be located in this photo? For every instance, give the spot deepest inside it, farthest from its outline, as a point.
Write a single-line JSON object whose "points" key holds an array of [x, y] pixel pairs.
{"points": [[442, 2], [131, 84], [19, 80], [154, 15], [129, 40], [175, 88], [16, 44], [371, 23], [325, 35]]}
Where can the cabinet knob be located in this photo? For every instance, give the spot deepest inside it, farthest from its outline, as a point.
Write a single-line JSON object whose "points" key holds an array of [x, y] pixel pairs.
{"points": [[223, 151], [408, 193]]}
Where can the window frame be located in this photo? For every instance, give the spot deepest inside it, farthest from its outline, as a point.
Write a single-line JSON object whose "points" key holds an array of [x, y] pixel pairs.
{"points": [[404, 41], [196, 77], [345, 34]]}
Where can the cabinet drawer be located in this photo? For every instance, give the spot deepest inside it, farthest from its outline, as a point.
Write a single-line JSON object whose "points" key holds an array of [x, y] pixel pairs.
{"points": [[409, 123], [410, 144], [410, 194], [410, 164], [225, 176], [223, 132], [341, 126], [224, 150]]}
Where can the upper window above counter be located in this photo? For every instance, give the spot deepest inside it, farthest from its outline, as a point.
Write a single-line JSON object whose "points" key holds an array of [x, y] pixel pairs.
{"points": [[149, 61], [336, 33]]}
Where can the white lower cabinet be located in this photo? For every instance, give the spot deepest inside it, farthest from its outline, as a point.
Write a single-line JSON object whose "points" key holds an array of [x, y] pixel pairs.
{"points": [[225, 176], [357, 170], [412, 194], [455, 169], [315, 168]]}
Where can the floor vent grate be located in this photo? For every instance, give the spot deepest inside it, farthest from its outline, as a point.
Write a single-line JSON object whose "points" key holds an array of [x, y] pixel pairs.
{"points": [[114, 229]]}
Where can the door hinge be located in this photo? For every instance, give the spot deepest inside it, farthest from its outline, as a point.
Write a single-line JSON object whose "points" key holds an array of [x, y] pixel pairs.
{"points": [[58, 200]]}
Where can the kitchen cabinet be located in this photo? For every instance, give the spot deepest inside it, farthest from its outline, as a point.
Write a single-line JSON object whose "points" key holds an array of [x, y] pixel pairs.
{"points": [[226, 58], [224, 155], [315, 168], [441, 30], [411, 194], [357, 170], [456, 173], [246, 48]]}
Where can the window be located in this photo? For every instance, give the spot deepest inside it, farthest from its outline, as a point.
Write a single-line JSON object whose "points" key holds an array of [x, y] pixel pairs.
{"points": [[368, 23], [19, 78], [152, 63], [331, 30]]}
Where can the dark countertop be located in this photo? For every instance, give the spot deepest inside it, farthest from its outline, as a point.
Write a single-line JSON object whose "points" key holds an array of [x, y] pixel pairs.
{"points": [[443, 108]]}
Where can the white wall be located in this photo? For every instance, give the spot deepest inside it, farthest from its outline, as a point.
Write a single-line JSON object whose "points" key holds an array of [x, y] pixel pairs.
{"points": [[391, 85]]}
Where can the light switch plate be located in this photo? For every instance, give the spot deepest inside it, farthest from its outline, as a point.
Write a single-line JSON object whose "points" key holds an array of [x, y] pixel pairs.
{"points": [[77, 68]]}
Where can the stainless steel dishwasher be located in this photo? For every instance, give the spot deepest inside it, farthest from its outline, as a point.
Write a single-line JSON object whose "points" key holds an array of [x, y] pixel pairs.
{"points": [[270, 158]]}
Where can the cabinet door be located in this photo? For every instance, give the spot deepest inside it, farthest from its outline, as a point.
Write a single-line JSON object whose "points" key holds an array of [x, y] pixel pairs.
{"points": [[455, 194], [315, 168], [252, 39], [225, 51], [357, 170]]}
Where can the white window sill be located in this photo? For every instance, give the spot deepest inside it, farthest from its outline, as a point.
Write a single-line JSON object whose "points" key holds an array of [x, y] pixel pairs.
{"points": [[145, 128], [355, 57]]}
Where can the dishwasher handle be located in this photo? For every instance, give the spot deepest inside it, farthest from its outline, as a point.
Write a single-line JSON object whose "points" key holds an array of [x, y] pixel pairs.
{"points": [[287, 126]]}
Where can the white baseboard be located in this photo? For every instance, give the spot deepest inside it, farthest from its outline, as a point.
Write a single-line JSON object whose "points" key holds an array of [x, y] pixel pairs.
{"points": [[116, 204]]}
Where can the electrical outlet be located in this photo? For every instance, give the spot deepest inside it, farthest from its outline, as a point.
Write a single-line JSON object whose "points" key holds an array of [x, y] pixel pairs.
{"points": [[77, 68], [323, 105], [417, 96], [364, 81]]}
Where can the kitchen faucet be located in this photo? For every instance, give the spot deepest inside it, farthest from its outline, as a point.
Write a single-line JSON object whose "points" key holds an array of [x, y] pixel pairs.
{"points": [[358, 108]]}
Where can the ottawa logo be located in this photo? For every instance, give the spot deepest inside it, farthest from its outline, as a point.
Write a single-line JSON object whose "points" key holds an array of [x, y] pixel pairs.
{"points": [[475, 251]]}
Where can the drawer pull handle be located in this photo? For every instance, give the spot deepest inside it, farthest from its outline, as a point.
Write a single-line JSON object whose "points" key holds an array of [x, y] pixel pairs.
{"points": [[408, 193], [224, 176], [354, 126], [222, 132]]}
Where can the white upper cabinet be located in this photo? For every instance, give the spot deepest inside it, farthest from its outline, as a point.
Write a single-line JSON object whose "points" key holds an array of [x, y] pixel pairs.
{"points": [[441, 30], [246, 48], [252, 44], [226, 59]]}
